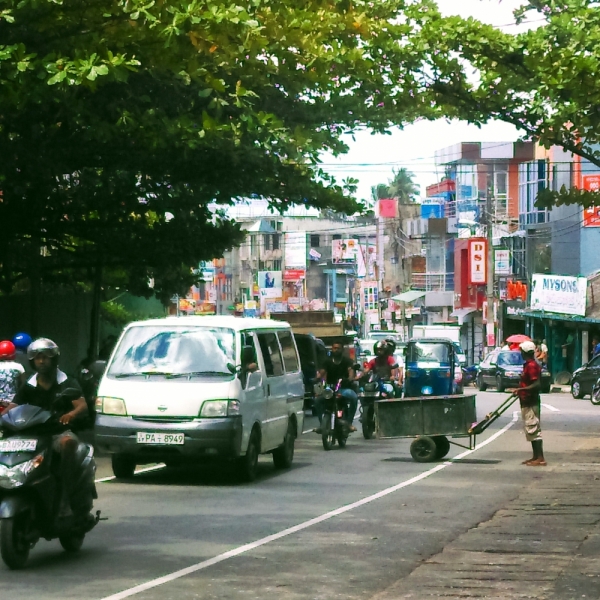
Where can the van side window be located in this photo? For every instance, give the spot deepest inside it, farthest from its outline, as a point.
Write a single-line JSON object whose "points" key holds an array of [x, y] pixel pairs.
{"points": [[290, 358], [271, 354], [248, 341]]}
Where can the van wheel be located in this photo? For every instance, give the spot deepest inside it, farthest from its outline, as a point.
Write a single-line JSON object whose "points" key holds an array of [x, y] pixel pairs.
{"points": [[123, 466], [284, 455], [248, 465]]}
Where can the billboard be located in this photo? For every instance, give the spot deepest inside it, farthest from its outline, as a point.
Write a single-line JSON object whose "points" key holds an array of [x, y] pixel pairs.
{"points": [[502, 264], [343, 252], [559, 294], [270, 279], [591, 215], [295, 249], [477, 261]]}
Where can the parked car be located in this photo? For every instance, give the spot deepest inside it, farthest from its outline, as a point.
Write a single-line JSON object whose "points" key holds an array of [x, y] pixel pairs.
{"points": [[585, 377], [502, 369]]}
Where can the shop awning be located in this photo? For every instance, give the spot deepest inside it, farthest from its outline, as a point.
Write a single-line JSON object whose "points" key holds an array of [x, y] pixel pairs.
{"points": [[410, 296], [539, 314], [461, 313]]}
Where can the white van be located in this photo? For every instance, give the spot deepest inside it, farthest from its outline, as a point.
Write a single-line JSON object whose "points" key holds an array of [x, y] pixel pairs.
{"points": [[199, 388]]}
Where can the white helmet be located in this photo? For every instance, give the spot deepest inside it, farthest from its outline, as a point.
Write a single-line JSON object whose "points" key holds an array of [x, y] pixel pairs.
{"points": [[42, 346], [527, 347]]}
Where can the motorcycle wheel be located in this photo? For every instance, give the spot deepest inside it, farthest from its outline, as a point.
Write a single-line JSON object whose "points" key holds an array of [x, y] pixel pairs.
{"points": [[327, 437], [368, 425], [342, 438], [14, 547], [72, 542], [595, 397]]}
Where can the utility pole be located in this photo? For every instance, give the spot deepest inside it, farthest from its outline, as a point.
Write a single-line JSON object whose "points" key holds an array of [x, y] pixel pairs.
{"points": [[490, 325]]}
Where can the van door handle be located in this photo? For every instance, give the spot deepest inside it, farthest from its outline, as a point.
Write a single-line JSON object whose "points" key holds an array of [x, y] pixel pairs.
{"points": [[268, 389]]}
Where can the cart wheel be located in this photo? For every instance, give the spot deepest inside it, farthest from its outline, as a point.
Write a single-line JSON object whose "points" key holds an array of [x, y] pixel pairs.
{"points": [[423, 449], [442, 444]]}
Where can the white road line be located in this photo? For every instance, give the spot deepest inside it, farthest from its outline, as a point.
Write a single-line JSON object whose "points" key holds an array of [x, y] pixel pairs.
{"points": [[550, 407], [144, 470], [291, 530]]}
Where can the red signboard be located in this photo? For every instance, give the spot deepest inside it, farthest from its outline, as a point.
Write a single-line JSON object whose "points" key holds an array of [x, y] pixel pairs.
{"points": [[294, 274], [591, 215]]}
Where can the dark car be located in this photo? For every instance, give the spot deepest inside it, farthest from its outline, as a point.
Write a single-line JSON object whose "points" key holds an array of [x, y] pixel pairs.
{"points": [[502, 369], [585, 377]]}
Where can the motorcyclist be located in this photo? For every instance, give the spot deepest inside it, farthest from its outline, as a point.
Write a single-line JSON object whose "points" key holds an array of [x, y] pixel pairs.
{"points": [[46, 389], [21, 341], [11, 373], [335, 368], [384, 364]]}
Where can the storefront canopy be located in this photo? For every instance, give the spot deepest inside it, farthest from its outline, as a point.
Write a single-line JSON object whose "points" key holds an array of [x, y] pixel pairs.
{"points": [[410, 296], [540, 314], [461, 313]]}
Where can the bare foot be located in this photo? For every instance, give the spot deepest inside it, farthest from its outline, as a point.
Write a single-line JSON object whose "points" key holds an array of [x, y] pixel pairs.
{"points": [[538, 462]]}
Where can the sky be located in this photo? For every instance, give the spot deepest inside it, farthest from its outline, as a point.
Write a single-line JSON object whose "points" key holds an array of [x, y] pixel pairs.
{"points": [[372, 158]]}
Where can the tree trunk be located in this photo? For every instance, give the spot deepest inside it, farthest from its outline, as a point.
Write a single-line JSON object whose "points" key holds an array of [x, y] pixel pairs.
{"points": [[95, 316]]}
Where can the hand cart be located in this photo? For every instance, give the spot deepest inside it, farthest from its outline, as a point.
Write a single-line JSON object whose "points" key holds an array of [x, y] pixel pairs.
{"points": [[432, 420]]}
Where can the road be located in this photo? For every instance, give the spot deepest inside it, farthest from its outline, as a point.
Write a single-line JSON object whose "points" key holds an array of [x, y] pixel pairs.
{"points": [[389, 514]]}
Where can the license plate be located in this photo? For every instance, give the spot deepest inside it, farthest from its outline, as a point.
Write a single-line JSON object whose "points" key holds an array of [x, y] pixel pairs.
{"points": [[18, 445], [166, 439]]}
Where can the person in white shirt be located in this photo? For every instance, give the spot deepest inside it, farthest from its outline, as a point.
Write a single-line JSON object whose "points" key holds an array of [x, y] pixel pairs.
{"points": [[11, 373]]}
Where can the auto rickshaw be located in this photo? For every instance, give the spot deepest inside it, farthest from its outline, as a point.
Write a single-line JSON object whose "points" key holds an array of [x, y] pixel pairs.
{"points": [[431, 368]]}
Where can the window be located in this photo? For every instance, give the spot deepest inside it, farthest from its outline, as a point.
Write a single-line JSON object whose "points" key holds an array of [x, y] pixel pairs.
{"points": [[276, 241], [290, 358], [271, 354], [315, 240], [267, 241]]}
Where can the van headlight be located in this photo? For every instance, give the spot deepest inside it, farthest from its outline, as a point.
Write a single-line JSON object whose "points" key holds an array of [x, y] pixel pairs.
{"points": [[107, 405], [16, 476], [220, 408]]}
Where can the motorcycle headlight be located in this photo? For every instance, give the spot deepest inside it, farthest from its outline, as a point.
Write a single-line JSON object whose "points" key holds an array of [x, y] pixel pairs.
{"points": [[388, 388], [328, 393], [15, 477]]}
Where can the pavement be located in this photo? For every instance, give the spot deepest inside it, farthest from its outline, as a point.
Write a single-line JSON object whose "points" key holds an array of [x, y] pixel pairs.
{"points": [[543, 544]]}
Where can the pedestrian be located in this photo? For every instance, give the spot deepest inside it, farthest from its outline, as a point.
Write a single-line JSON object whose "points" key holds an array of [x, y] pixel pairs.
{"points": [[595, 346], [11, 373], [529, 396]]}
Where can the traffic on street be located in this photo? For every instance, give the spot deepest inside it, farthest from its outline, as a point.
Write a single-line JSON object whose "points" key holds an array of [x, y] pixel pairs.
{"points": [[350, 523]]}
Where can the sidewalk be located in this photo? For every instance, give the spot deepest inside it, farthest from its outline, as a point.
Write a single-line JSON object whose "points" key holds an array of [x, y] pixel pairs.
{"points": [[545, 544]]}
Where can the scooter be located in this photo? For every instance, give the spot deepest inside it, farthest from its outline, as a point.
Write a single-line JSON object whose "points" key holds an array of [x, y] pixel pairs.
{"points": [[374, 389], [333, 425], [30, 489]]}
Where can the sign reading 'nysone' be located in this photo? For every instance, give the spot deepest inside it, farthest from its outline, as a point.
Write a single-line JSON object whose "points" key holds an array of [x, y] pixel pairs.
{"points": [[559, 294]]}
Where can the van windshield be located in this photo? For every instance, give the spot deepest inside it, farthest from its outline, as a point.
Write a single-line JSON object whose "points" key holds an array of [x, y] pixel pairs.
{"points": [[175, 352]]}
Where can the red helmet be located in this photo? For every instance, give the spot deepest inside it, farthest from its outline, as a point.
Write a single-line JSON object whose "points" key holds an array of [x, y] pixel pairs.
{"points": [[7, 350]]}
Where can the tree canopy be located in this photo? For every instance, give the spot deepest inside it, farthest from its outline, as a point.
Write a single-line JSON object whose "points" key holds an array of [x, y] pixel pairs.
{"points": [[543, 80], [401, 186], [122, 120]]}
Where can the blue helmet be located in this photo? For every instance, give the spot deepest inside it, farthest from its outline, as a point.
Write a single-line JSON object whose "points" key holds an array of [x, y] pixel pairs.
{"points": [[21, 341]]}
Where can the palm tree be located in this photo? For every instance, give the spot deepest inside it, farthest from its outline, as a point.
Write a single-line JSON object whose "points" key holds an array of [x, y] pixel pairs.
{"points": [[401, 186]]}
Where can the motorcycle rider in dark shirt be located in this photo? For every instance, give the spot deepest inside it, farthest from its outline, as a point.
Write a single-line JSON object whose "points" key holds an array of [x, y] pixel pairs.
{"points": [[46, 389]]}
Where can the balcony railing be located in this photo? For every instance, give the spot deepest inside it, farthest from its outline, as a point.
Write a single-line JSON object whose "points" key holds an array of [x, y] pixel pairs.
{"points": [[433, 282]]}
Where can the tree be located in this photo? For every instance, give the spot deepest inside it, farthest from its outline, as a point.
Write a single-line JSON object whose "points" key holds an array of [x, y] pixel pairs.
{"points": [[543, 81], [400, 186]]}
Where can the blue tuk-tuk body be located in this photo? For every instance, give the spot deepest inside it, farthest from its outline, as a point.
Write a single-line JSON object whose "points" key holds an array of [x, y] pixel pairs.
{"points": [[430, 368]]}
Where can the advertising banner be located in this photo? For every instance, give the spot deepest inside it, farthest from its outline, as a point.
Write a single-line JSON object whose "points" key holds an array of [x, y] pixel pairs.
{"points": [[271, 292], [559, 294], [477, 261], [294, 274], [270, 279], [502, 262], [370, 295], [295, 248], [343, 252], [591, 215]]}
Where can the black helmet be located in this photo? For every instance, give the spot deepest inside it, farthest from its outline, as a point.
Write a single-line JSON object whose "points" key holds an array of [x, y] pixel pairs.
{"points": [[381, 345], [391, 345]]}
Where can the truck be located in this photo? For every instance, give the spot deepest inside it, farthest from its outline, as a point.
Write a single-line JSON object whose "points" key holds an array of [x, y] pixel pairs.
{"points": [[315, 331], [442, 330]]}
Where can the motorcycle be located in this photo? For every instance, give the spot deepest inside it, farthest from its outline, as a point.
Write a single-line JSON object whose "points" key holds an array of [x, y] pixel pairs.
{"points": [[595, 396], [333, 425], [30, 489], [374, 389], [469, 374]]}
